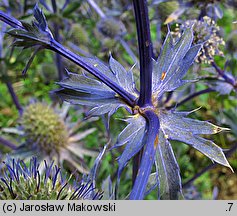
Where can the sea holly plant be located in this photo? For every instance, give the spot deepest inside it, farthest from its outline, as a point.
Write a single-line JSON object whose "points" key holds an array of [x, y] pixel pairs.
{"points": [[107, 87]]}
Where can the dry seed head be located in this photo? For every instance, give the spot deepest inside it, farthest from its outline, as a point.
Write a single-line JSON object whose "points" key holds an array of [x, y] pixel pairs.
{"points": [[206, 32]]}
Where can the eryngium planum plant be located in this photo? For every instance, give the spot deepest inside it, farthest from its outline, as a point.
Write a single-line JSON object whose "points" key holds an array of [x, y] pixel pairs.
{"points": [[107, 87]]}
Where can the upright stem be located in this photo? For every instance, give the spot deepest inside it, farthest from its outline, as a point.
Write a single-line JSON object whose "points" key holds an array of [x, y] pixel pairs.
{"points": [[145, 56], [145, 51], [54, 5], [148, 156], [59, 64]]}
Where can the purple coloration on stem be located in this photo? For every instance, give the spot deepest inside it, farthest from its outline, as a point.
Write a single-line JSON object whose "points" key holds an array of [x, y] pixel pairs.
{"points": [[14, 97], [221, 72], [59, 63], [148, 157], [10, 20], [8, 143], [126, 96], [57, 47], [190, 97], [145, 51]]}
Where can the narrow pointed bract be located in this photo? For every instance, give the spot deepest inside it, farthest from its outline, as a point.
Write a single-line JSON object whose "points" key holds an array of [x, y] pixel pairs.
{"points": [[133, 136], [87, 90], [178, 127], [41, 181], [173, 63]]}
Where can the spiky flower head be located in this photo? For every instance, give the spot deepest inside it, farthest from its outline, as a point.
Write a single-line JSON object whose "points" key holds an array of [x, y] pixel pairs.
{"points": [[45, 131], [111, 27], [205, 31], [36, 181], [51, 136]]}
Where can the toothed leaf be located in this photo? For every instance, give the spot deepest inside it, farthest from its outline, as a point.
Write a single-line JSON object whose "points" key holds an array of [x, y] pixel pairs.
{"points": [[135, 128], [84, 83], [39, 16], [177, 127], [116, 72], [173, 63], [31, 34], [101, 103], [124, 78], [87, 90], [221, 86]]}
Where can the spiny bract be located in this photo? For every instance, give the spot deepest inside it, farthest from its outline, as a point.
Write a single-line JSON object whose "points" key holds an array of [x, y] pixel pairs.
{"points": [[22, 182], [168, 74]]}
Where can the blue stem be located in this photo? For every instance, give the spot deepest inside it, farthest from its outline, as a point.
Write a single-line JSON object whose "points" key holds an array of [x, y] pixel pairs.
{"points": [[58, 58], [148, 157], [14, 97], [126, 96], [221, 73], [8, 143], [145, 51], [10, 20], [57, 47]]}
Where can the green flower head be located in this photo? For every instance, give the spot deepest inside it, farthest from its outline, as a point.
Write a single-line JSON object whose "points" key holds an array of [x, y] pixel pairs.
{"points": [[35, 181], [50, 136]]}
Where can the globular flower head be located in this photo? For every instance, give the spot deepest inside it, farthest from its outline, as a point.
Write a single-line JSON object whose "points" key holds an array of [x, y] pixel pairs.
{"points": [[36, 181], [51, 136], [206, 32], [45, 131], [111, 27]]}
